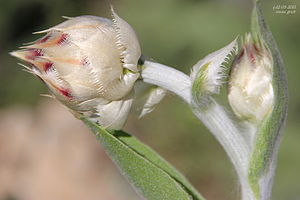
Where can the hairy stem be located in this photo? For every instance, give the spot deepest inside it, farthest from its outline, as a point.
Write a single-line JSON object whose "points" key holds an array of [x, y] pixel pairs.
{"points": [[168, 78], [215, 118]]}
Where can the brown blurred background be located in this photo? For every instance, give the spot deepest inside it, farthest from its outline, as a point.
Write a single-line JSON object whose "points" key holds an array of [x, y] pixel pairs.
{"points": [[47, 154]]}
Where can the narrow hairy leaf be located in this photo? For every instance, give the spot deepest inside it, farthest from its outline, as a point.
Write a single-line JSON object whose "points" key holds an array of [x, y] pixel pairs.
{"points": [[157, 160], [263, 159], [149, 174]]}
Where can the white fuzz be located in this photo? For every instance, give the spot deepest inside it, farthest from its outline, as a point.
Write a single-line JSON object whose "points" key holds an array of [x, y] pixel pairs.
{"points": [[211, 68], [167, 78]]}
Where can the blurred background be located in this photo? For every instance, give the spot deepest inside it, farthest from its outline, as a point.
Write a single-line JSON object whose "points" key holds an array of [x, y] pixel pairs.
{"points": [[45, 153]]}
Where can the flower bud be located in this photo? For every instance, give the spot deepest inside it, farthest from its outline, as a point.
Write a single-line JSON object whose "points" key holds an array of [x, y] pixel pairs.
{"points": [[89, 64], [251, 94], [210, 70]]}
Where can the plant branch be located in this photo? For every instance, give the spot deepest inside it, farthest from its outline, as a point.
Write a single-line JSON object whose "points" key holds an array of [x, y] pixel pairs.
{"points": [[168, 78], [214, 117]]}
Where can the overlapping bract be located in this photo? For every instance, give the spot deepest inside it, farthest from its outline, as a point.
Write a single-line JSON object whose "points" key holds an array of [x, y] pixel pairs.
{"points": [[89, 64]]}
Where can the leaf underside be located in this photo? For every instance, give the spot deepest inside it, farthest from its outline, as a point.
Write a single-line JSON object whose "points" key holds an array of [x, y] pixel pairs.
{"points": [[151, 176]]}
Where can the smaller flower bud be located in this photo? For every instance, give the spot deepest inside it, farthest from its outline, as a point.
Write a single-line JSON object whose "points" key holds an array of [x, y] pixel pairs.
{"points": [[90, 65], [208, 74], [251, 95]]}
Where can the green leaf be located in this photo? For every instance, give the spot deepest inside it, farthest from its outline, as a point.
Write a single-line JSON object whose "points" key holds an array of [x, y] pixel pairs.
{"points": [[263, 159], [149, 174]]}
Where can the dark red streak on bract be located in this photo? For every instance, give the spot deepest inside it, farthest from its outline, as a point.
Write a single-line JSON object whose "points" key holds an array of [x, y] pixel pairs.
{"points": [[63, 38], [47, 66], [45, 39], [33, 53], [66, 93]]}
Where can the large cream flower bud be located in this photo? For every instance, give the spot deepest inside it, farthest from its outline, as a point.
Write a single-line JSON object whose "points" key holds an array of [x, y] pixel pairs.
{"points": [[89, 64], [251, 94]]}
